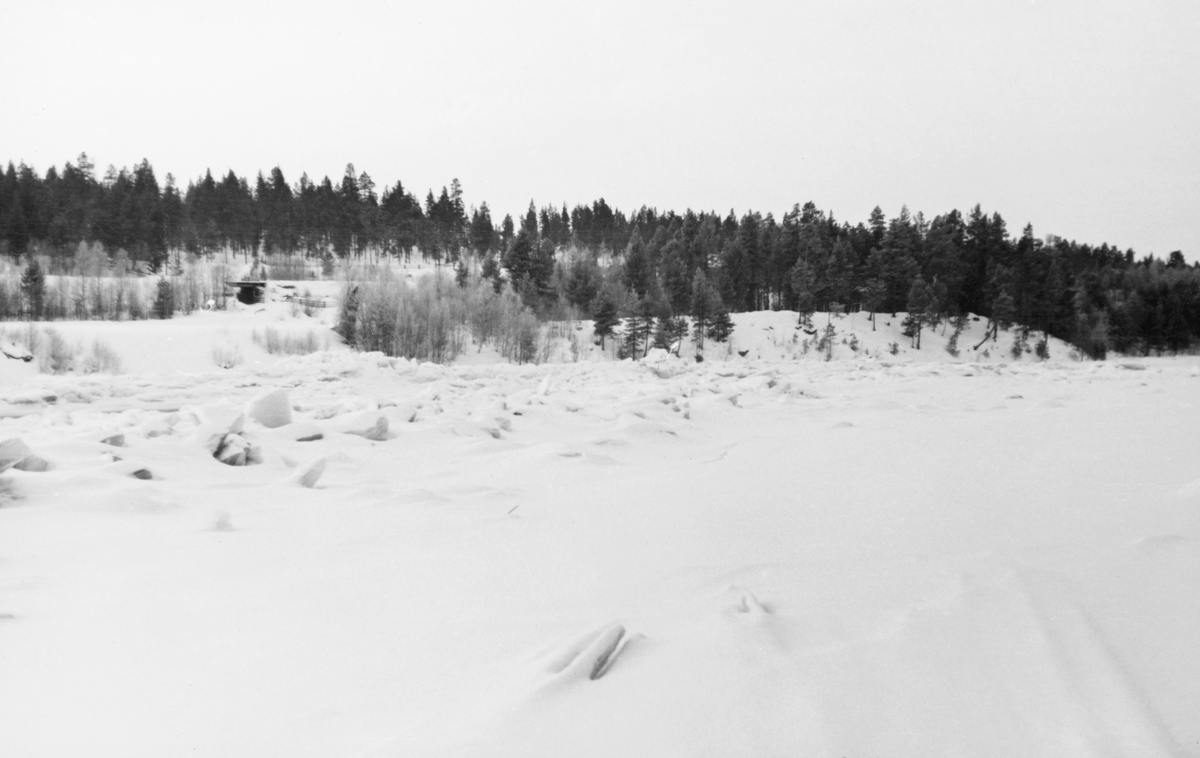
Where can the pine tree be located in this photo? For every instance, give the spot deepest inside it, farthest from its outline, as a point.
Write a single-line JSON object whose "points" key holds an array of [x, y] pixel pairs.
{"points": [[638, 330], [920, 299], [802, 289], [1004, 312], [873, 294], [705, 305], [604, 320]]}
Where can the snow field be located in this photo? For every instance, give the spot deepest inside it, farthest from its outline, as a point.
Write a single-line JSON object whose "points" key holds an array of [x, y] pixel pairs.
{"points": [[739, 558]]}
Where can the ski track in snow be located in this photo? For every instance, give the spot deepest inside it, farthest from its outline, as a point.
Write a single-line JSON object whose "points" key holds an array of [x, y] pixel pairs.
{"points": [[649, 558]]}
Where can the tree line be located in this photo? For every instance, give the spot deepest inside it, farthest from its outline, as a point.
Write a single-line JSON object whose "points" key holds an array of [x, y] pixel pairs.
{"points": [[648, 265]]}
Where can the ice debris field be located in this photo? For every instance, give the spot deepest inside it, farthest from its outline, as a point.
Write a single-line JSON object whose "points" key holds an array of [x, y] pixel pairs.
{"points": [[745, 557]]}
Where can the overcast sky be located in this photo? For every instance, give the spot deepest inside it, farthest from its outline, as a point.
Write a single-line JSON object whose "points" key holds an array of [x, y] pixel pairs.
{"points": [[1080, 117]]}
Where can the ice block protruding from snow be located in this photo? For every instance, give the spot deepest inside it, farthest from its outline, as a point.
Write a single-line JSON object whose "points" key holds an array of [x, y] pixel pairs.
{"points": [[271, 409], [370, 424], [12, 452], [308, 474], [236, 450], [32, 463]]}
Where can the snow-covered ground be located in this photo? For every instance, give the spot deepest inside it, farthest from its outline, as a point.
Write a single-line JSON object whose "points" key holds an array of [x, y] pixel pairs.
{"points": [[906, 555]]}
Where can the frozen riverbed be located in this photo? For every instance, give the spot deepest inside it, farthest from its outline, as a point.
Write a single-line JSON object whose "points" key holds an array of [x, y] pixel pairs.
{"points": [[659, 558]]}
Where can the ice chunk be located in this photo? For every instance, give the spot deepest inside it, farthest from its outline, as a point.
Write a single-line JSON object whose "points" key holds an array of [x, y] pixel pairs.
{"points": [[370, 424], [271, 409]]}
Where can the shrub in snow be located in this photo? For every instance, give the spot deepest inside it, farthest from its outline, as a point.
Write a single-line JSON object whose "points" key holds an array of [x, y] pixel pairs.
{"points": [[227, 355], [55, 355], [101, 359], [894, 348], [277, 343]]}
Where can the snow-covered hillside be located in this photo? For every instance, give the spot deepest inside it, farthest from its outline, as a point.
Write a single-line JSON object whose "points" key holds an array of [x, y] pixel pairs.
{"points": [[883, 555]]}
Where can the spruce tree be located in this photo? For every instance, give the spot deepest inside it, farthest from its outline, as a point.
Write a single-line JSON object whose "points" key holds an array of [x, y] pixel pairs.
{"points": [[491, 270], [164, 299], [33, 287], [348, 317], [722, 326], [669, 333]]}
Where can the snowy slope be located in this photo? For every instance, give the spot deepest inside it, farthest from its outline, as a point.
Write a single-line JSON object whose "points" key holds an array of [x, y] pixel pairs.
{"points": [[758, 556], [777, 336]]}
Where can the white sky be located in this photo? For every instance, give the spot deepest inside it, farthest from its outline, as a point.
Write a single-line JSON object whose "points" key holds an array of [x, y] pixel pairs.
{"points": [[1081, 117]]}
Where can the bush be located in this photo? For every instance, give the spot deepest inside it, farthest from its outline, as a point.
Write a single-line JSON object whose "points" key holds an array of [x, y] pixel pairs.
{"points": [[285, 267], [227, 355], [289, 343], [101, 359], [432, 317], [56, 356]]}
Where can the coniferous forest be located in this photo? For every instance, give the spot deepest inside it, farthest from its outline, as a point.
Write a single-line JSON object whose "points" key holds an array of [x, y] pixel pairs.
{"points": [[599, 262]]}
